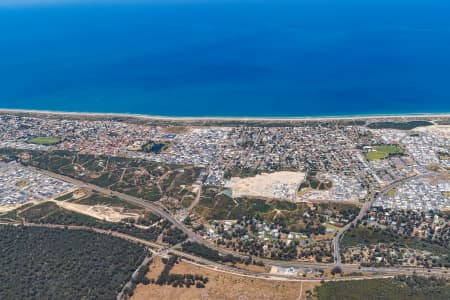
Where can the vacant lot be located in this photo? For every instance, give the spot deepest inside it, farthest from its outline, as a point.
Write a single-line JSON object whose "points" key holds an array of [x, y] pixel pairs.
{"points": [[220, 286], [279, 185]]}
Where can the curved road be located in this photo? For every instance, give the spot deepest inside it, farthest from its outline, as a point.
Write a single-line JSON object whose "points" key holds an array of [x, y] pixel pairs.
{"points": [[366, 207], [194, 237]]}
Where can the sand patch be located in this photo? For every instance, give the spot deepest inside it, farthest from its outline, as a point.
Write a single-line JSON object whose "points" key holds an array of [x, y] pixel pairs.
{"points": [[101, 212], [278, 185], [8, 207]]}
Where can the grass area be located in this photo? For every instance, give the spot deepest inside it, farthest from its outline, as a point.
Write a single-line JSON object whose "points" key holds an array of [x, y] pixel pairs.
{"points": [[45, 140], [384, 151], [43, 263], [401, 288], [392, 192]]}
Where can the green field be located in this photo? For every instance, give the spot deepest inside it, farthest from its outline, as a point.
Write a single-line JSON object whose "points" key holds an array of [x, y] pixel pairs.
{"points": [[45, 140], [381, 152]]}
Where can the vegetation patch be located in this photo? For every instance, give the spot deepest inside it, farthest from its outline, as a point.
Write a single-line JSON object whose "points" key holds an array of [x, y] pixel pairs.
{"points": [[43, 263], [400, 288], [399, 125], [312, 182], [208, 253], [363, 235], [51, 213]]}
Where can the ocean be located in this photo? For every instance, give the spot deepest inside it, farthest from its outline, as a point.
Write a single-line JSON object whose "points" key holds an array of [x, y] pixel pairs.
{"points": [[251, 58]]}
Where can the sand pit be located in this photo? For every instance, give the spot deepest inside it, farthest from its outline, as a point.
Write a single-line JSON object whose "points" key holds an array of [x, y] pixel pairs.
{"points": [[278, 185], [101, 212]]}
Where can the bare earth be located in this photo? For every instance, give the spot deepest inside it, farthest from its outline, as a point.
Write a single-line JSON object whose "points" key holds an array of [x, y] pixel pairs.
{"points": [[7, 208], [101, 212], [278, 185], [221, 286]]}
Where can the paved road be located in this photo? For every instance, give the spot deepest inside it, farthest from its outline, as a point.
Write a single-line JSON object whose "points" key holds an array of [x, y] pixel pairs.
{"points": [[386, 272], [196, 238], [366, 207]]}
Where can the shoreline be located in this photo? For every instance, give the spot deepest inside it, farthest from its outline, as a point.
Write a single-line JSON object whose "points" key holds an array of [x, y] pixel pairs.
{"points": [[225, 118]]}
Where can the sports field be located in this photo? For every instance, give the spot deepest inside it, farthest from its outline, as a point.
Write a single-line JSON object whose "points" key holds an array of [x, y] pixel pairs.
{"points": [[45, 140], [381, 152]]}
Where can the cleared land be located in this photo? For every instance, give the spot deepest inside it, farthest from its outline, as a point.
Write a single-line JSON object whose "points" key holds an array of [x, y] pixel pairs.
{"points": [[101, 212], [220, 286], [42, 263], [278, 185]]}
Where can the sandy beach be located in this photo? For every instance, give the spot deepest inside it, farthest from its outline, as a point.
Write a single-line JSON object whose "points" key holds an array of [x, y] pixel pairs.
{"points": [[405, 116]]}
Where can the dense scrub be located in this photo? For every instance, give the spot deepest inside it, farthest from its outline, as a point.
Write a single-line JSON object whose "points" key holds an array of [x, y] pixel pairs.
{"points": [[42, 263], [398, 125], [400, 288], [51, 213], [208, 253]]}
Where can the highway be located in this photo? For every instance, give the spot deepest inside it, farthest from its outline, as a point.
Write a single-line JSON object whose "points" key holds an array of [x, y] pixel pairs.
{"points": [[196, 238], [205, 263]]}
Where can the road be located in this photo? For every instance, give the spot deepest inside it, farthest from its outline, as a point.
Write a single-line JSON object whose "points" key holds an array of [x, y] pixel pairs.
{"points": [[197, 198], [366, 207], [205, 263], [196, 238]]}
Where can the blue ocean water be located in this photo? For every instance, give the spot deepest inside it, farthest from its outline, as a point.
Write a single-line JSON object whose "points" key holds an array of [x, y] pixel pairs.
{"points": [[227, 58]]}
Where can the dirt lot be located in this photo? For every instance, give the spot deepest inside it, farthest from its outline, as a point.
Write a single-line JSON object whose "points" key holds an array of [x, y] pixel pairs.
{"points": [[101, 212], [278, 185], [220, 286]]}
